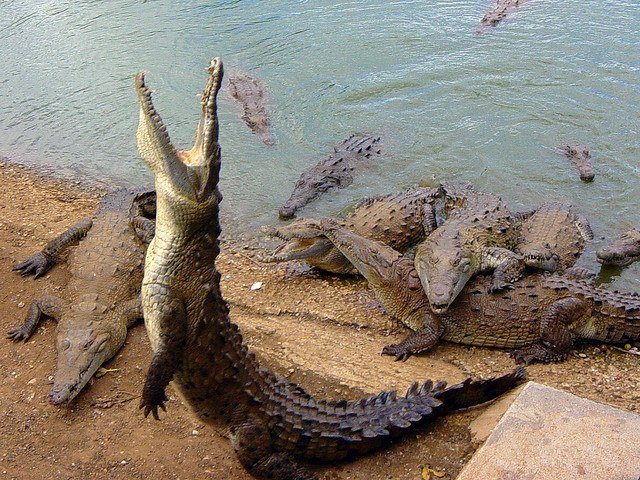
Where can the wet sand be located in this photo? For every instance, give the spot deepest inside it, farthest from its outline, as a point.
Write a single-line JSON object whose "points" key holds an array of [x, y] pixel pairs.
{"points": [[323, 332]]}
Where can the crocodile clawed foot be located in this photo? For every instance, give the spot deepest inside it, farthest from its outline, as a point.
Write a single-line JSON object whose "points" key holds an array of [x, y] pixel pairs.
{"points": [[151, 401], [400, 352], [18, 333], [37, 265], [499, 286], [538, 353]]}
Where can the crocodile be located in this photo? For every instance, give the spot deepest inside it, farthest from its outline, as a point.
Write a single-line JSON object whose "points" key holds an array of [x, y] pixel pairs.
{"points": [[478, 235], [271, 422], [580, 156], [337, 170], [542, 316], [400, 220], [102, 298], [497, 13], [249, 92], [623, 251], [553, 237]]}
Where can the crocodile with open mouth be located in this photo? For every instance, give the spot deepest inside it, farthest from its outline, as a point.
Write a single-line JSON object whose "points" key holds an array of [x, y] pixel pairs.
{"points": [[541, 316], [399, 220], [102, 298], [272, 422]]}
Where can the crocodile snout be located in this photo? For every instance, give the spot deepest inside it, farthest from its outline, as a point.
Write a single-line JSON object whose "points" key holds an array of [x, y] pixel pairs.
{"points": [[60, 394]]}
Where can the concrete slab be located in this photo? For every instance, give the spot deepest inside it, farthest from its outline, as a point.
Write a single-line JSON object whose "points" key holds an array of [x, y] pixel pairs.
{"points": [[546, 434]]}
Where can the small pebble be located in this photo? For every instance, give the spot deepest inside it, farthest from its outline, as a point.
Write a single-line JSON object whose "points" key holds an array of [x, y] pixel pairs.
{"points": [[256, 286], [21, 304]]}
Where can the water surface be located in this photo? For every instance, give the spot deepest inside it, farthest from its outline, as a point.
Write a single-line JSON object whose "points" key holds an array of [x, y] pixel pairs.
{"points": [[449, 104]]}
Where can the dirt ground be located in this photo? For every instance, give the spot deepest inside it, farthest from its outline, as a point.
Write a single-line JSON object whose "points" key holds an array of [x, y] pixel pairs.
{"points": [[322, 332]]}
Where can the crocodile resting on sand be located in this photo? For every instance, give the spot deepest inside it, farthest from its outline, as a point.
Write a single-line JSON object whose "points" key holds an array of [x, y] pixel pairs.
{"points": [[249, 92], [553, 237], [399, 220], [271, 422], [623, 251], [102, 298], [541, 316], [477, 236], [337, 170]]}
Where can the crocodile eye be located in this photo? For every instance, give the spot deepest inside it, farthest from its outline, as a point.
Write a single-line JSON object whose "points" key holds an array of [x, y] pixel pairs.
{"points": [[65, 344]]}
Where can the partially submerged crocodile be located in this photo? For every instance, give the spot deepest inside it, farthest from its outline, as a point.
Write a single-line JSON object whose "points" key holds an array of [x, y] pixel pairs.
{"points": [[102, 298], [541, 316], [337, 170], [497, 13], [624, 250], [271, 422], [249, 92], [580, 156], [399, 220], [553, 237], [477, 236]]}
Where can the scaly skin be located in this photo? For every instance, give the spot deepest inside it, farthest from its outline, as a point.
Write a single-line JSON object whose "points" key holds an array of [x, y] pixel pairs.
{"points": [[399, 220], [581, 159], [553, 237], [249, 92], [477, 236], [498, 12], [101, 300], [270, 421], [337, 170], [541, 316], [623, 251]]}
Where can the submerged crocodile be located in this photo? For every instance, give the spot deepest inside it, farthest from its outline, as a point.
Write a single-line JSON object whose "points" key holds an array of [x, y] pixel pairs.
{"points": [[271, 422], [624, 250], [337, 170], [399, 220], [477, 236], [498, 12], [102, 298], [553, 237], [541, 316], [580, 156], [249, 92]]}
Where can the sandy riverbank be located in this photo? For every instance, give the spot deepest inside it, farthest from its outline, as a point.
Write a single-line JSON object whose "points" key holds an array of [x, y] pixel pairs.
{"points": [[322, 332]]}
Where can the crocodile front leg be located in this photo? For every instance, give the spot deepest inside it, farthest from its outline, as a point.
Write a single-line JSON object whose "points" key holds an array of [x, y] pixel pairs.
{"points": [[172, 332], [41, 262], [48, 305], [416, 342], [133, 310], [144, 228], [507, 266], [555, 335], [252, 443]]}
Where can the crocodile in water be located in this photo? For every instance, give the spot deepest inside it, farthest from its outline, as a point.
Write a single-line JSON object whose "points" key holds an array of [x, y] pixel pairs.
{"points": [[580, 156], [102, 298], [553, 237], [337, 170], [249, 92], [478, 235], [497, 13], [541, 315], [271, 422], [399, 220], [624, 250]]}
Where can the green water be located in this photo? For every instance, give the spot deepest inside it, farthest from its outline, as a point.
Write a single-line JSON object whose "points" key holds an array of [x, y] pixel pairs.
{"points": [[448, 103]]}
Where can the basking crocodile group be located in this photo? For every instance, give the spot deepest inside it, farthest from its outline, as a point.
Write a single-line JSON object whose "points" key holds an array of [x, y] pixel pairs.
{"points": [[250, 94], [102, 298], [271, 422], [337, 170], [541, 315], [399, 220]]}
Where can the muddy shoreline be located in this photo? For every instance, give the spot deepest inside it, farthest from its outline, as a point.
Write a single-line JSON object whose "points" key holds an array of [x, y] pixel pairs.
{"points": [[323, 332]]}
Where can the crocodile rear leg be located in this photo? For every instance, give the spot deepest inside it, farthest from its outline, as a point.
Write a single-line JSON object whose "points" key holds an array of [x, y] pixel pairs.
{"points": [[416, 342], [168, 354], [253, 446], [555, 334], [429, 223], [144, 228], [507, 266], [48, 305], [41, 262]]}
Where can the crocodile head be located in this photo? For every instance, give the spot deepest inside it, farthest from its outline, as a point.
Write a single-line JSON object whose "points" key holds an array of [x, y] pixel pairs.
{"points": [[82, 348], [540, 256], [444, 270], [303, 238], [188, 178], [624, 250]]}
